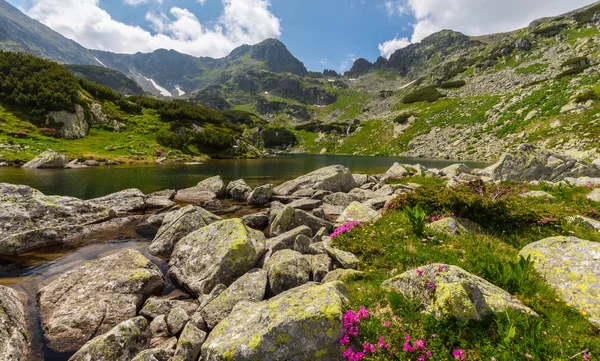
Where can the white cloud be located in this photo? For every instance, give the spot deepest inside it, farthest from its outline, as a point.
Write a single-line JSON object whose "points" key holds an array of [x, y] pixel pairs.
{"points": [[389, 47], [241, 22], [202, 2], [476, 17], [347, 63], [324, 61]]}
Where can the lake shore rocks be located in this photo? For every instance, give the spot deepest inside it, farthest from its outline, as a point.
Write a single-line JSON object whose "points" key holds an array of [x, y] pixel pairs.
{"points": [[47, 159], [95, 297], [333, 179], [14, 343]]}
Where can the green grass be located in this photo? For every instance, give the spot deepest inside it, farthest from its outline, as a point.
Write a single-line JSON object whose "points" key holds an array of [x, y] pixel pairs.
{"points": [[575, 34], [390, 247], [349, 103], [537, 68]]}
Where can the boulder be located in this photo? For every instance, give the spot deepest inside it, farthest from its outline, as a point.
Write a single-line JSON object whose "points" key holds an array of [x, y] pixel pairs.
{"points": [[122, 343], [123, 202], [31, 220], [92, 163], [335, 178], [360, 179], [361, 195], [15, 345], [238, 190], [250, 287], [537, 194], [345, 259], [196, 195], [379, 202], [342, 275], [594, 195], [455, 170], [529, 163], [159, 327], [454, 226], [258, 221], [450, 291], [396, 171], [216, 254], [176, 320], [320, 265], [159, 203], [572, 267], [305, 204], [584, 222], [289, 218], [177, 225], [161, 306], [154, 354], [302, 244], [260, 195], [304, 193], [95, 297], [214, 185], [69, 125], [286, 240], [189, 343], [303, 324], [338, 199], [47, 159], [358, 212], [320, 194], [286, 269]]}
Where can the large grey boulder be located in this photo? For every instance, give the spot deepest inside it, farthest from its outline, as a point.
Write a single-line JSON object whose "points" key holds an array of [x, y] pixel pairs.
{"points": [[238, 190], [344, 258], [594, 195], [154, 354], [454, 226], [338, 199], [529, 163], [335, 178], [261, 195], [572, 267], [289, 218], [286, 240], [122, 343], [287, 269], [450, 291], [189, 343], [161, 306], [258, 221], [396, 171], [123, 202], [358, 212], [216, 254], [47, 159], [70, 125], [195, 195], [455, 170], [303, 324], [320, 265], [250, 287], [31, 220], [15, 345], [177, 225], [584, 222], [214, 185], [95, 297]]}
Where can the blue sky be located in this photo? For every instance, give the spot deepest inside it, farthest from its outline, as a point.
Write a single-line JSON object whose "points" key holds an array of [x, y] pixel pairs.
{"points": [[321, 33]]}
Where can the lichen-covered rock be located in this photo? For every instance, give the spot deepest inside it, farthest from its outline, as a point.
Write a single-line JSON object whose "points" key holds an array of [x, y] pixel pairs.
{"points": [[47, 159], [250, 287], [335, 178], [155, 354], [189, 343], [320, 265], [213, 184], [302, 243], [396, 171], [342, 275], [584, 222], [303, 324], [258, 221], [286, 240], [159, 327], [95, 297], [306, 204], [123, 202], [196, 195], [156, 306], [537, 194], [177, 225], [122, 343], [219, 253], [358, 212], [339, 199], [572, 266], [345, 259], [287, 269], [159, 203], [289, 218], [451, 291], [453, 226], [31, 220], [455, 170], [529, 163], [360, 179], [594, 195], [14, 343], [238, 190], [176, 320], [261, 195]]}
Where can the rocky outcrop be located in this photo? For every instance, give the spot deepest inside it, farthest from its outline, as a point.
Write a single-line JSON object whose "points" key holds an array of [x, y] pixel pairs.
{"points": [[287, 269], [450, 291], [455, 170], [261, 195], [216, 254], [14, 343], [238, 190], [358, 212], [454, 226], [70, 125], [335, 178], [177, 225], [213, 184], [47, 159], [92, 299], [250, 287], [122, 343], [303, 324], [289, 218], [123, 202], [572, 267], [30, 220], [189, 343], [529, 163]]}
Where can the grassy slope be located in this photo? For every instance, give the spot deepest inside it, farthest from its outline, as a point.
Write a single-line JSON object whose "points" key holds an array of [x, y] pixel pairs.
{"points": [[390, 247]]}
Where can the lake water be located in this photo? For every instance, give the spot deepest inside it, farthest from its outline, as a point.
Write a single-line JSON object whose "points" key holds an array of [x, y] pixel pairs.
{"points": [[30, 272], [93, 182]]}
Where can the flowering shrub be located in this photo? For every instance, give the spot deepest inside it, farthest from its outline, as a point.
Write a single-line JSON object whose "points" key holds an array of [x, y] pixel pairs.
{"points": [[351, 321], [48, 131], [394, 204], [160, 152], [18, 134], [438, 217], [459, 355], [345, 228]]}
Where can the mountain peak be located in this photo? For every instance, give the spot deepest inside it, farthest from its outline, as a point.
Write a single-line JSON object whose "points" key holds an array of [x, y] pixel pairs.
{"points": [[274, 54]]}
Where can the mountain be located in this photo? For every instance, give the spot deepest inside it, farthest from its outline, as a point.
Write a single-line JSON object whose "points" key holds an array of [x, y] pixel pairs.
{"points": [[22, 34], [113, 79]]}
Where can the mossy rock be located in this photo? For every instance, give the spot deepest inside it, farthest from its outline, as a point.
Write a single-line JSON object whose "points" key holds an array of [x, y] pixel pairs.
{"points": [[453, 226]]}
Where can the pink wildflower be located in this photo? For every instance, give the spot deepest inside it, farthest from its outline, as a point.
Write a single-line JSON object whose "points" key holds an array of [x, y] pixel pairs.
{"points": [[345, 340], [345, 228], [362, 313], [419, 272], [419, 345], [421, 358], [586, 356], [432, 285], [442, 268], [368, 347], [387, 324], [459, 354], [407, 348], [428, 353], [372, 235]]}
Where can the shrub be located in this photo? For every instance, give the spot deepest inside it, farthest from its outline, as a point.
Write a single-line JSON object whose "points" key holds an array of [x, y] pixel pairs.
{"points": [[428, 94], [212, 141], [511, 276], [278, 138], [584, 17], [550, 31], [403, 118], [169, 139], [576, 62], [572, 71], [453, 84], [584, 97]]}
